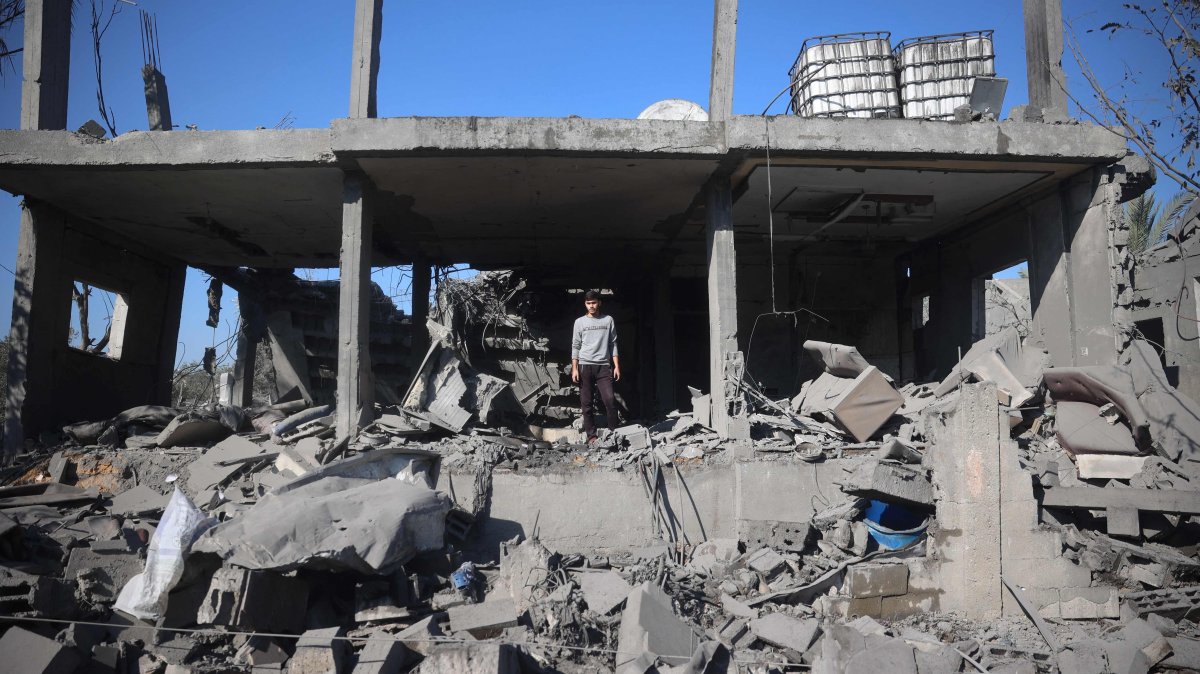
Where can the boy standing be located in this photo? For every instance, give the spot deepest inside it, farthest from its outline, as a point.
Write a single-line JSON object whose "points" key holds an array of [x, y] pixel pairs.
{"points": [[593, 345]]}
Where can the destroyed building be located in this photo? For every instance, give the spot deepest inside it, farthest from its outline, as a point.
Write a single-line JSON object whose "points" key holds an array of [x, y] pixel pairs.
{"points": [[859, 467]]}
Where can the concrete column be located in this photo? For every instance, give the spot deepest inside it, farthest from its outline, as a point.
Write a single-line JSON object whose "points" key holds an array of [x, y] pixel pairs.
{"points": [[1043, 56], [664, 340], [354, 357], [722, 298], [364, 70], [46, 62], [158, 105], [168, 330], [253, 325], [720, 88], [1071, 288], [35, 313], [421, 272]]}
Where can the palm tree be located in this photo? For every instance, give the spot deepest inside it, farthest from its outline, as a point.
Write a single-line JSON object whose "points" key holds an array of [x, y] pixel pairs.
{"points": [[1148, 225]]}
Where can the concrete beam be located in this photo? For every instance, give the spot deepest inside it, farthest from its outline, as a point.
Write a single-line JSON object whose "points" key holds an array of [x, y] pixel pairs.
{"points": [[354, 356], [364, 70], [724, 48], [46, 64], [722, 297], [1043, 56], [880, 139], [263, 148], [536, 135]]}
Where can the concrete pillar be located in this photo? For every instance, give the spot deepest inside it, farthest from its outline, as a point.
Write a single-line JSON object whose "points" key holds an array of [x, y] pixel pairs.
{"points": [[46, 65], [720, 88], [46, 62], [158, 105], [168, 329], [253, 326], [34, 313], [966, 473], [364, 70], [722, 298], [421, 273], [354, 357], [664, 339], [1043, 56], [1071, 288]]}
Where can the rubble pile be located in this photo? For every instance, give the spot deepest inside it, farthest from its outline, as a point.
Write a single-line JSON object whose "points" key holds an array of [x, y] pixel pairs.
{"points": [[226, 539]]}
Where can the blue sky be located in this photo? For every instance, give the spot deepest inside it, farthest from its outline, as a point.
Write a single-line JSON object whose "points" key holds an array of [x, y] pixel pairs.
{"points": [[239, 65]]}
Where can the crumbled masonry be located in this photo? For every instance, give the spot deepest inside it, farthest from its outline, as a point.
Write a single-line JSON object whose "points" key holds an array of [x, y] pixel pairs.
{"points": [[349, 549]]}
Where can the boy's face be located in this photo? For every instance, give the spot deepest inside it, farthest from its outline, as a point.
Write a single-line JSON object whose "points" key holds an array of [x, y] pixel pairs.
{"points": [[593, 307]]}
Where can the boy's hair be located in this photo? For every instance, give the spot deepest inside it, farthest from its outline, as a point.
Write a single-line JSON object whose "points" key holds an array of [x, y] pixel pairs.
{"points": [[591, 295]]}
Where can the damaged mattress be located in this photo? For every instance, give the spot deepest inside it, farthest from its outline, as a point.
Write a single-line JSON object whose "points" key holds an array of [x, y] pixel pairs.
{"points": [[337, 523]]}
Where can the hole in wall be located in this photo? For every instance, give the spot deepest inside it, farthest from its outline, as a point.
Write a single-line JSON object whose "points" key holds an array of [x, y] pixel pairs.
{"points": [[98, 319]]}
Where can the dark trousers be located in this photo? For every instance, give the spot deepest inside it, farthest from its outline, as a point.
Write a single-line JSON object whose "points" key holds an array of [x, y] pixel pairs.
{"points": [[599, 376]]}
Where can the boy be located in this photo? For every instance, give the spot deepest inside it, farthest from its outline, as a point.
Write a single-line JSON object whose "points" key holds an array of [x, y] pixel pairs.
{"points": [[593, 345]]}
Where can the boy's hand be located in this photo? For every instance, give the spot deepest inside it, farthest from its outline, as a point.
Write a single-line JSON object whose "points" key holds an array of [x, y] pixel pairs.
{"points": [[575, 374], [616, 373]]}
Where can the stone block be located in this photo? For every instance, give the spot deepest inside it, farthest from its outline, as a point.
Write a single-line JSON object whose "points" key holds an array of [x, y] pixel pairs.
{"points": [[876, 580], [35, 653], [259, 600]]}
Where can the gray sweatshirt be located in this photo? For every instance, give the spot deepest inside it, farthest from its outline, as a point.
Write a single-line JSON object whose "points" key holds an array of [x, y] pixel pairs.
{"points": [[594, 341]]}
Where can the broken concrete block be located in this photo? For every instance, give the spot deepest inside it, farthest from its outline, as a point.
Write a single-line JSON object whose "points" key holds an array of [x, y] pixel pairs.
{"points": [[319, 651], [293, 463], [787, 632], [419, 636], [891, 482], [883, 654], [103, 572], [473, 659], [635, 437], [602, 590], [485, 620], [260, 651], [35, 653], [838, 360], [650, 627], [207, 471], [188, 430], [778, 535], [523, 566], [1081, 429], [1185, 654], [1084, 603], [712, 554], [1108, 466], [766, 561], [382, 657], [255, 599], [876, 580]]}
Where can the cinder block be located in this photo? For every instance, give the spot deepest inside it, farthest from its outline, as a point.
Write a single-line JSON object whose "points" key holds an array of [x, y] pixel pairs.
{"points": [[910, 604], [876, 580], [1052, 573], [1084, 603]]}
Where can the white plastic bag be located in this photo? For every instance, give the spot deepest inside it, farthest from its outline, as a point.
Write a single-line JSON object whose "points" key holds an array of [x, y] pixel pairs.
{"points": [[145, 595]]}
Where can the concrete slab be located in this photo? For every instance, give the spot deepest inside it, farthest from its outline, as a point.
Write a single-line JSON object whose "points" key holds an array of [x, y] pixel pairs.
{"points": [[787, 632], [649, 625], [35, 653], [603, 590], [484, 620], [138, 501], [876, 580], [318, 651]]}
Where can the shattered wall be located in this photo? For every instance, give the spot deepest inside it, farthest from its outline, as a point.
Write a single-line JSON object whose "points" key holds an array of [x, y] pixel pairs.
{"points": [[73, 384], [1163, 306]]}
